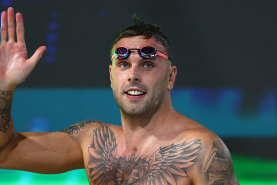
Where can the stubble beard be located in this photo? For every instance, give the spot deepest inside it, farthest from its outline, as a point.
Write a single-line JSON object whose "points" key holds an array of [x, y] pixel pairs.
{"points": [[129, 108], [140, 107]]}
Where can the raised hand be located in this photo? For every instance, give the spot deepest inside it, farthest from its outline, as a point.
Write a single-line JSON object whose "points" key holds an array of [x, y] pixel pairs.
{"points": [[14, 63]]}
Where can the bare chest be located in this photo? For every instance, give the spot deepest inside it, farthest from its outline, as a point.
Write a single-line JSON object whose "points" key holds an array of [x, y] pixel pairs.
{"points": [[166, 165]]}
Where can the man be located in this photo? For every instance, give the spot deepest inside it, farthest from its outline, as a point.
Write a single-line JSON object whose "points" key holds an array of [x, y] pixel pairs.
{"points": [[155, 145]]}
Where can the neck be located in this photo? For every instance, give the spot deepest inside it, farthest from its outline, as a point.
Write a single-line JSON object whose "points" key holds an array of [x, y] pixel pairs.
{"points": [[139, 128]]}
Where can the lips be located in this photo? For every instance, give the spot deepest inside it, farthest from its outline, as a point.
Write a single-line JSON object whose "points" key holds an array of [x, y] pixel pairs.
{"points": [[135, 92]]}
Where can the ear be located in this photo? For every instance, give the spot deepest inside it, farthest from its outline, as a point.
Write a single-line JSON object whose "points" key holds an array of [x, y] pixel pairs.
{"points": [[110, 71], [111, 77], [172, 77]]}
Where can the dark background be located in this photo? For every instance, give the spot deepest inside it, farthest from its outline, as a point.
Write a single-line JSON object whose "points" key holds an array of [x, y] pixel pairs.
{"points": [[216, 45]]}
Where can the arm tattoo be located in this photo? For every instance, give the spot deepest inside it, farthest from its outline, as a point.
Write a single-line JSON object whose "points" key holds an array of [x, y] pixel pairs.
{"points": [[6, 93], [5, 109], [7, 143], [75, 128], [164, 166], [219, 168]]}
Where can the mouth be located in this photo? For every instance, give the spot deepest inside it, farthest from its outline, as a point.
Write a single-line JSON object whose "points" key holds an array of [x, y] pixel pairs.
{"points": [[135, 93]]}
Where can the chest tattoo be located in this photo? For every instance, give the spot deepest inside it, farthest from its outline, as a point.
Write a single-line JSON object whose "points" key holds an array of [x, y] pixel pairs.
{"points": [[162, 167]]}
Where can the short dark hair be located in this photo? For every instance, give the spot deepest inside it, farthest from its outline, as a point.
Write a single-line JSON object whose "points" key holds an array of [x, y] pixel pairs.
{"points": [[147, 30]]}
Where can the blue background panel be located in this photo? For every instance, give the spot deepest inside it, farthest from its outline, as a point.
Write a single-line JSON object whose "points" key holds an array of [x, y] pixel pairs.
{"points": [[219, 109]]}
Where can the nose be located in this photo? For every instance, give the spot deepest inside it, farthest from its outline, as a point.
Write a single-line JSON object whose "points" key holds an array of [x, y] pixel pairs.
{"points": [[134, 74], [134, 71]]}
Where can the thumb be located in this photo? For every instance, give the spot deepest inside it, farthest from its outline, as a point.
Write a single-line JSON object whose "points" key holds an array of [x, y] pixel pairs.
{"points": [[36, 56]]}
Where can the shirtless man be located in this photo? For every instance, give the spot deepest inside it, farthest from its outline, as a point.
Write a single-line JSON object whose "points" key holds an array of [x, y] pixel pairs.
{"points": [[154, 145]]}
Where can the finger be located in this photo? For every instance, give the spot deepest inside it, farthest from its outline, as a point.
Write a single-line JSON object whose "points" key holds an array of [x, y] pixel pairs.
{"points": [[11, 27], [20, 28], [36, 56], [4, 27]]}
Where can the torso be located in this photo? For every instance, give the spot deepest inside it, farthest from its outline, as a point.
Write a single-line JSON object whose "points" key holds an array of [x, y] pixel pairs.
{"points": [[165, 162]]}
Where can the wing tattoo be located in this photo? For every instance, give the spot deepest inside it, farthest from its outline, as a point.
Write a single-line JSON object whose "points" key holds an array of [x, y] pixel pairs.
{"points": [[102, 164], [165, 165], [162, 167]]}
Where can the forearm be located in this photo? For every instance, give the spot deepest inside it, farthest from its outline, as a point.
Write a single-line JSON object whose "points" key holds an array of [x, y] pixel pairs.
{"points": [[7, 132], [14, 69]]}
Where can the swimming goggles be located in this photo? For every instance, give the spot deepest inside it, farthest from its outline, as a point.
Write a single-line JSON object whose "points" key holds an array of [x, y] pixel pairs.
{"points": [[146, 52]]}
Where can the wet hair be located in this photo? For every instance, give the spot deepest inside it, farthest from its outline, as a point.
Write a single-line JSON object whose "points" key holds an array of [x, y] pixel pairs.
{"points": [[141, 28]]}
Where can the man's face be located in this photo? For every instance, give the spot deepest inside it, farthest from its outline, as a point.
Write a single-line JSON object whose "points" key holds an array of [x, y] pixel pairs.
{"points": [[140, 85]]}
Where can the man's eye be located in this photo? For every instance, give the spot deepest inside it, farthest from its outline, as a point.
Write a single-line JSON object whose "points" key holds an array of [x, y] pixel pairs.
{"points": [[148, 65], [124, 65]]}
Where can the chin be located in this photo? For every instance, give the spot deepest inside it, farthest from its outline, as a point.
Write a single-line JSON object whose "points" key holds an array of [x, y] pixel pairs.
{"points": [[134, 111]]}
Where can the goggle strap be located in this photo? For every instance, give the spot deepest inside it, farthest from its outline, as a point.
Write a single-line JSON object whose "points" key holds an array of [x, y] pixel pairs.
{"points": [[112, 57], [162, 55]]}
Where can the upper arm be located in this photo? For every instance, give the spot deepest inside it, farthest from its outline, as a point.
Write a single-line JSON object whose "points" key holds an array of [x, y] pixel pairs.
{"points": [[46, 152], [215, 164]]}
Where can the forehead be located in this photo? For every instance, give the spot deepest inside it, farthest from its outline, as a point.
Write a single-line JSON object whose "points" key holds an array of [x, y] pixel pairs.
{"points": [[139, 42]]}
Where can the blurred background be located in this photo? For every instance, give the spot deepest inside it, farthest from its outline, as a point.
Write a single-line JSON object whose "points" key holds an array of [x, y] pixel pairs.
{"points": [[225, 52]]}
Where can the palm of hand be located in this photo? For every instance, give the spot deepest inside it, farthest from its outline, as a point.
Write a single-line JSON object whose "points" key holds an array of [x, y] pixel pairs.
{"points": [[14, 64]]}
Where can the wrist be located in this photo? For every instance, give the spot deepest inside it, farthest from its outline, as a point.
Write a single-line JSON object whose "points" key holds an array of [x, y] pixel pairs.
{"points": [[6, 90], [6, 93]]}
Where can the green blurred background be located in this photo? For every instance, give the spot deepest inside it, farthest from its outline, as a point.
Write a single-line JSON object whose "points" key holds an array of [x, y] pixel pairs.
{"points": [[250, 171]]}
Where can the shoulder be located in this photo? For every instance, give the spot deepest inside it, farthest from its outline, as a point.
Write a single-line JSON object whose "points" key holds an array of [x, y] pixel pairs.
{"points": [[86, 128], [211, 144], [206, 136], [192, 130], [214, 163], [76, 128], [211, 147]]}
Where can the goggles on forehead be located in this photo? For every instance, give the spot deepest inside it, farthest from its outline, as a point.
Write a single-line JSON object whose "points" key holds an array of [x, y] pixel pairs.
{"points": [[146, 52]]}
